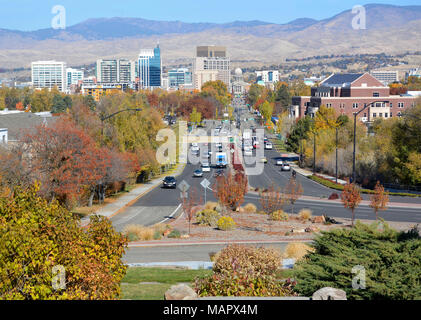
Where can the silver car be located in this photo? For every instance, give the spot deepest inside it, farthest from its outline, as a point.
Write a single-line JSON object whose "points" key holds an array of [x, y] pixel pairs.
{"points": [[285, 166]]}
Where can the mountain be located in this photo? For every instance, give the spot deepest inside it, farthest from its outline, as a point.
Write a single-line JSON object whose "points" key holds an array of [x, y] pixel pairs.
{"points": [[390, 29]]}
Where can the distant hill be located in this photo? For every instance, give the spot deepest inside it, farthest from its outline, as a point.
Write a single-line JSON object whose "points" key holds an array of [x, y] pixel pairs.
{"points": [[390, 29]]}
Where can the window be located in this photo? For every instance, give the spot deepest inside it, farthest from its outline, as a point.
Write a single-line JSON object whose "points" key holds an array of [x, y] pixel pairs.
{"points": [[386, 115], [328, 105], [401, 104], [391, 115], [399, 114], [365, 115], [391, 105], [374, 115], [355, 105], [376, 94], [381, 115]]}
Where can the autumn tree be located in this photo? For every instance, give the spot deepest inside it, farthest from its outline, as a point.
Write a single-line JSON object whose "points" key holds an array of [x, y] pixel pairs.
{"points": [[272, 199], [43, 244], [189, 201], [293, 191], [351, 198], [379, 200], [231, 188]]}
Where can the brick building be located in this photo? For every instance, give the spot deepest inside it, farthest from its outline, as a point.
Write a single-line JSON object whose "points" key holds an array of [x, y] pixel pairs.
{"points": [[350, 93]]}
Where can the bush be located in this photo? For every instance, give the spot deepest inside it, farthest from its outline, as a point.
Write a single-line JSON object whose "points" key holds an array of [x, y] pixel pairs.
{"points": [[334, 196], [140, 232], [208, 217], [297, 250], [250, 208], [279, 215], [392, 261], [251, 259], [226, 223], [245, 271], [175, 234], [211, 205], [305, 214], [157, 235]]}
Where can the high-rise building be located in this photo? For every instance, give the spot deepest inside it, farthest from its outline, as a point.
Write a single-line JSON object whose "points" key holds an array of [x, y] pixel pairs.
{"points": [[115, 71], [49, 74], [268, 76], [179, 77], [386, 77], [211, 61], [150, 68], [74, 76]]}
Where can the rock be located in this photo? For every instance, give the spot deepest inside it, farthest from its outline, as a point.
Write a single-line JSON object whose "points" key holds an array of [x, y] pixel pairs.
{"points": [[312, 229], [185, 236], [298, 230], [329, 294], [319, 219], [180, 292]]}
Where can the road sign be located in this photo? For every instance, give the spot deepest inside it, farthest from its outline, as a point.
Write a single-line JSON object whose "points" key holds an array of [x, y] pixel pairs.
{"points": [[184, 186], [205, 184]]}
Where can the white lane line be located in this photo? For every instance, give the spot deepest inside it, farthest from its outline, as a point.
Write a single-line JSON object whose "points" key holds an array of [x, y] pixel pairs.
{"points": [[126, 219], [171, 215]]}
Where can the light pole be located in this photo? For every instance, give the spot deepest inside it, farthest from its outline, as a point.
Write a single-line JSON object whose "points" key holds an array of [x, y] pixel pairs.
{"points": [[355, 134], [113, 115]]}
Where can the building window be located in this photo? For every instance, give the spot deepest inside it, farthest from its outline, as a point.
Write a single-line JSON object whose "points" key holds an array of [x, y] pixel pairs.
{"points": [[376, 94], [386, 115], [329, 105], [365, 115], [391, 105], [374, 115], [401, 105], [355, 105], [381, 115], [391, 115], [399, 114]]}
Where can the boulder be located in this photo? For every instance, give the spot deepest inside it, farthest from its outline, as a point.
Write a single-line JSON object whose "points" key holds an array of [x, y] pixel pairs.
{"points": [[319, 219], [329, 294], [312, 229], [298, 230], [180, 292]]}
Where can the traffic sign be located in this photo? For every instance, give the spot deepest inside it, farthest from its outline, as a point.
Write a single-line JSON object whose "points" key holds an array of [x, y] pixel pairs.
{"points": [[183, 186], [205, 183]]}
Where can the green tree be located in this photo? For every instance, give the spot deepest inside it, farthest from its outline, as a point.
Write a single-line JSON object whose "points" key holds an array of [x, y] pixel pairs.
{"points": [[282, 95], [266, 109]]}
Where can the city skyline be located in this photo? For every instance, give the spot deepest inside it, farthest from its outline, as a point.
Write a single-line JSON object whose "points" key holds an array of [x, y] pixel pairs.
{"points": [[280, 13]]}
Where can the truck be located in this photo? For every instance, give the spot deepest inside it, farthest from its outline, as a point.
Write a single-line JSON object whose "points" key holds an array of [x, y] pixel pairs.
{"points": [[221, 159]]}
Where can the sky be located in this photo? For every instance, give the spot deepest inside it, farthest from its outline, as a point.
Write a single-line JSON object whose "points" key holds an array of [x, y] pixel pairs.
{"points": [[27, 15]]}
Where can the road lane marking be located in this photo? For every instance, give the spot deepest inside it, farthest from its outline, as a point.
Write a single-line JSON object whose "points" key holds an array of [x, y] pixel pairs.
{"points": [[171, 215]]}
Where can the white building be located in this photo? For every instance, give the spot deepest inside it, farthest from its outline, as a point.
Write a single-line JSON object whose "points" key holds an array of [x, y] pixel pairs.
{"points": [[49, 74], [268, 76], [115, 71], [74, 76], [386, 77], [210, 64]]}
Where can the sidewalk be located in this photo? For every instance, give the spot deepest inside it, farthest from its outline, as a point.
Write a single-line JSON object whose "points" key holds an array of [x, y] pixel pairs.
{"points": [[129, 199], [308, 173]]}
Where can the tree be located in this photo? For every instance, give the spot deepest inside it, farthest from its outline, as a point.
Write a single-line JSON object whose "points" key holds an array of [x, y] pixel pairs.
{"points": [[379, 199], [266, 109], [231, 188], [272, 200], [36, 236], [195, 117], [293, 191], [188, 203], [218, 90], [282, 96], [351, 198], [391, 261]]}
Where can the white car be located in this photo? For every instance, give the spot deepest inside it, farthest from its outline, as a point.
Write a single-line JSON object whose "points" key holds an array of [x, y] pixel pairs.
{"points": [[206, 167], [268, 146], [279, 162], [286, 167]]}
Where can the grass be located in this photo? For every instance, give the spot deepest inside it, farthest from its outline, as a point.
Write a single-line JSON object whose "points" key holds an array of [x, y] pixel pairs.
{"points": [[158, 281], [339, 187]]}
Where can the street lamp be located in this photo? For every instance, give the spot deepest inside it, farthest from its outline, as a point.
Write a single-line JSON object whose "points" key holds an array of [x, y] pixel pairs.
{"points": [[355, 133], [113, 115]]}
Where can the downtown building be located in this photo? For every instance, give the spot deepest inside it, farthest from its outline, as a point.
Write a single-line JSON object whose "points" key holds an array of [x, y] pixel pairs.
{"points": [[49, 74], [350, 93], [180, 78], [115, 71], [211, 64], [150, 68], [386, 77]]}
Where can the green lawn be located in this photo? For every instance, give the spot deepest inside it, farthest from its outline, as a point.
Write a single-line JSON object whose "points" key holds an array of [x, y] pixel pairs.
{"points": [[155, 281]]}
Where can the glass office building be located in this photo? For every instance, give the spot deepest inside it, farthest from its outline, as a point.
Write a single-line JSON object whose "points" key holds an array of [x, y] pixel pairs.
{"points": [[181, 76], [150, 68]]}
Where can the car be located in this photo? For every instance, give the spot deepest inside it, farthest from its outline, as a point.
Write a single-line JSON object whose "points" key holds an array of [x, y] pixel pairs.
{"points": [[198, 173], [279, 162], [264, 160], [286, 166], [206, 167], [268, 146], [219, 173], [170, 182]]}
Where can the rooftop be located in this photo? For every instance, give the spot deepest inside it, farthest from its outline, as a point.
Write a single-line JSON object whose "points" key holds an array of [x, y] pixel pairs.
{"points": [[18, 123], [341, 80]]}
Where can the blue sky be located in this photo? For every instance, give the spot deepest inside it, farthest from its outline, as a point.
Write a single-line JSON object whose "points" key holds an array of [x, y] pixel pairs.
{"points": [[36, 14]]}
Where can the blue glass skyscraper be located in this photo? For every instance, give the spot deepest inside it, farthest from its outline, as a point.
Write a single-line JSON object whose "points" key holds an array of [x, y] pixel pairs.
{"points": [[150, 68]]}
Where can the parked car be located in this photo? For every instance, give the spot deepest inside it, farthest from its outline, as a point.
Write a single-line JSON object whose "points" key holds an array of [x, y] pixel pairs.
{"points": [[218, 173], [206, 167], [198, 173], [170, 182], [279, 162], [264, 160]]}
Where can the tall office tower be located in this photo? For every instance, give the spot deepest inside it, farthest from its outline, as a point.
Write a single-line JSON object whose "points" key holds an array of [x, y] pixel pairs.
{"points": [[150, 68], [115, 71], [49, 74], [179, 77], [386, 77], [211, 63], [74, 76]]}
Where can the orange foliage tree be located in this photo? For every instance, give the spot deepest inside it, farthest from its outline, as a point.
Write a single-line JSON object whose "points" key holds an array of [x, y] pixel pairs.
{"points": [[293, 191], [231, 188], [379, 200], [272, 199], [351, 198]]}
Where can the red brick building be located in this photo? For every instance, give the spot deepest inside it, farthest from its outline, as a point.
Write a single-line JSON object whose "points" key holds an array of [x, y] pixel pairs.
{"points": [[350, 93]]}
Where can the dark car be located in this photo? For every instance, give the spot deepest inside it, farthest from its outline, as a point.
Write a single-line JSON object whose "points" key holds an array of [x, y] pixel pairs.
{"points": [[219, 173], [198, 173], [170, 182]]}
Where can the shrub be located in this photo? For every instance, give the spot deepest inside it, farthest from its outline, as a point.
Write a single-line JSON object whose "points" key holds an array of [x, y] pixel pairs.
{"points": [[208, 217], [392, 262], [157, 235], [250, 208], [226, 223], [334, 196], [279, 215], [251, 259], [175, 234], [245, 271], [211, 205], [305, 214], [297, 250], [140, 232], [261, 212]]}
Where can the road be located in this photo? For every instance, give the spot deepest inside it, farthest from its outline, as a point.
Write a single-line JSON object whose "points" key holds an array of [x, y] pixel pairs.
{"points": [[159, 204]]}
